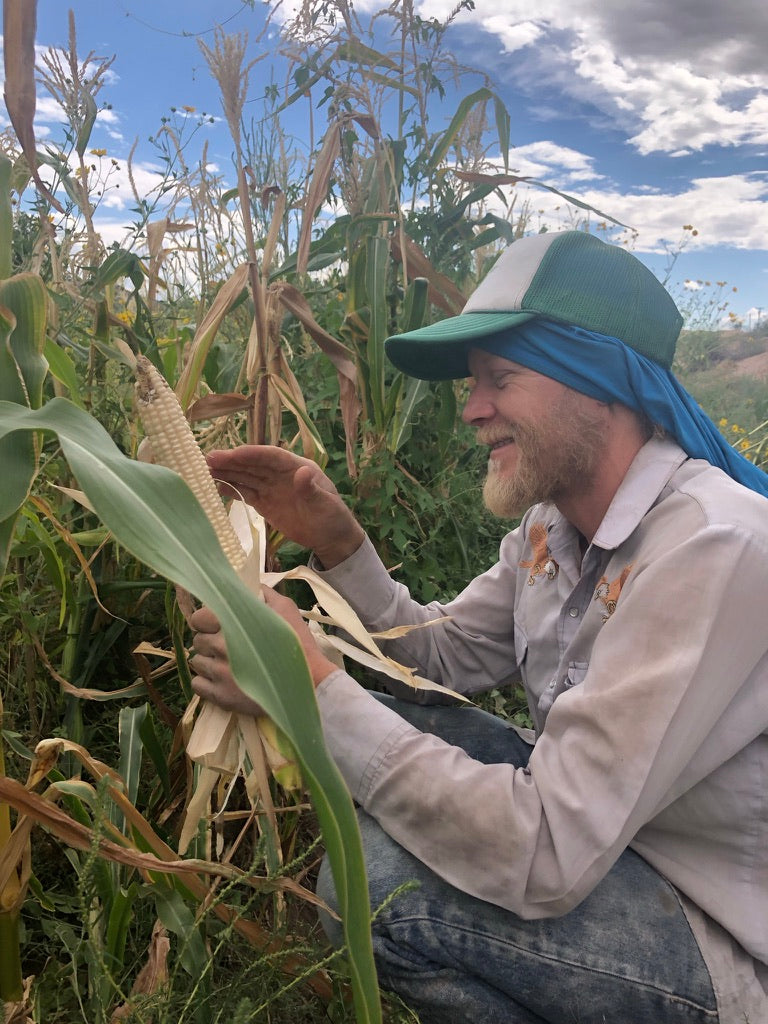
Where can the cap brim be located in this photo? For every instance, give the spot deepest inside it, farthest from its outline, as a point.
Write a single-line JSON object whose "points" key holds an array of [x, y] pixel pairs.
{"points": [[439, 351]]}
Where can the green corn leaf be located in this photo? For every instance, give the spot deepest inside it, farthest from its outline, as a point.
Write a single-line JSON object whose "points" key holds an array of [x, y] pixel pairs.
{"points": [[451, 132], [376, 264], [6, 217], [155, 752], [18, 455], [71, 186], [415, 305], [178, 918], [116, 266], [572, 199], [130, 721], [62, 367], [84, 135], [120, 916], [502, 128], [401, 424], [153, 514], [25, 296]]}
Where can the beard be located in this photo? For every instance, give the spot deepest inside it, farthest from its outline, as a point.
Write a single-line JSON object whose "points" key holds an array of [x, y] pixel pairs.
{"points": [[557, 456]]}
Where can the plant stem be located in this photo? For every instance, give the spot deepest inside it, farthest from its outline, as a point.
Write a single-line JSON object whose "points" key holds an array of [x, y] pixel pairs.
{"points": [[10, 957], [11, 989]]}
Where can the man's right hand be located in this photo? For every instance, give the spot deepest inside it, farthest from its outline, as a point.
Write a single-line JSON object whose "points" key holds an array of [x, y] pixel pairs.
{"points": [[294, 496]]}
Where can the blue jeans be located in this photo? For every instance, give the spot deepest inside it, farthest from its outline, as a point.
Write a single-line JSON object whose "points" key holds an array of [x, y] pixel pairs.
{"points": [[625, 955]]}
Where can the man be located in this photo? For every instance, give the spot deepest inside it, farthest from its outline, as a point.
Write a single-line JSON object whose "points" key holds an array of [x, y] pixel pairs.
{"points": [[618, 869]]}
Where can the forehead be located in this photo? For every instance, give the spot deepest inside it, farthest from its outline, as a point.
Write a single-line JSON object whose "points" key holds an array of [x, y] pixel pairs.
{"points": [[480, 362]]}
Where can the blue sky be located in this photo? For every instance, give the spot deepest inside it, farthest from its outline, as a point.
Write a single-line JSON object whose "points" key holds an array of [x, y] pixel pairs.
{"points": [[654, 112]]}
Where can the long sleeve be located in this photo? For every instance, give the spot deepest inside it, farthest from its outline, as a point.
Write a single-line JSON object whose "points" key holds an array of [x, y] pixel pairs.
{"points": [[471, 650]]}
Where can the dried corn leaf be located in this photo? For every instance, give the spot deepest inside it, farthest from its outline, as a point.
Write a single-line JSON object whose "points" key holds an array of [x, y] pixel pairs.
{"points": [[212, 742], [346, 618], [206, 332], [249, 524], [198, 806], [317, 191], [442, 291], [20, 1012], [152, 976], [19, 27], [411, 685], [75, 495]]}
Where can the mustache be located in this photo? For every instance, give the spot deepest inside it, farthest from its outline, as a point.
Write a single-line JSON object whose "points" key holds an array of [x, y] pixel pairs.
{"points": [[498, 432]]}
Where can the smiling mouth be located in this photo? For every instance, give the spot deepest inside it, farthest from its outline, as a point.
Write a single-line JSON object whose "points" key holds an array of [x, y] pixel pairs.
{"points": [[502, 443]]}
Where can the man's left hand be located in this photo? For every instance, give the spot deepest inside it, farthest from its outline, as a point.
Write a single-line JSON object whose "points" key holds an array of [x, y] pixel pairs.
{"points": [[213, 679]]}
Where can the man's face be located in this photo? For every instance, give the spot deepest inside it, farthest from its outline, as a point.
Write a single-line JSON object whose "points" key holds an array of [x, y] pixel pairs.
{"points": [[546, 440]]}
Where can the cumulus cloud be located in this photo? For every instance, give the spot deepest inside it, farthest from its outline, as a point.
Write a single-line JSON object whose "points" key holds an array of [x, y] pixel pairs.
{"points": [[543, 159], [677, 77], [730, 210], [727, 210]]}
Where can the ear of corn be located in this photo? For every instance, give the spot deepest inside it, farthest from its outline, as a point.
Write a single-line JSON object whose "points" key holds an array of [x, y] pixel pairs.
{"points": [[174, 446], [216, 741]]}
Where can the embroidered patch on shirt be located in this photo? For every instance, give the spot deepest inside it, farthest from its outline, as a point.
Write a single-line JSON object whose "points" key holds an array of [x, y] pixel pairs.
{"points": [[608, 592], [542, 563]]}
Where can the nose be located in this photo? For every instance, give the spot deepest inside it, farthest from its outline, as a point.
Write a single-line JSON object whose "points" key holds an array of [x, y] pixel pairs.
{"points": [[479, 408]]}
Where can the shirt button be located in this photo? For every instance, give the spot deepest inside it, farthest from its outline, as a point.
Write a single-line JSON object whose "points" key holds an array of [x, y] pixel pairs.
{"points": [[573, 612]]}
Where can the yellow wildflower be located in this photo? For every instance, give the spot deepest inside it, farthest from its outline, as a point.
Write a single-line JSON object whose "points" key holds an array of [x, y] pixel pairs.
{"points": [[98, 152]]}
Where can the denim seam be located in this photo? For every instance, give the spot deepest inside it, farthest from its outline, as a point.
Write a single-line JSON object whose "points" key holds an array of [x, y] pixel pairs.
{"points": [[430, 921]]}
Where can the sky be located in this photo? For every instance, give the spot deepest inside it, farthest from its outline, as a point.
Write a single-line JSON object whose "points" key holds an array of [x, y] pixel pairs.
{"points": [[653, 112]]}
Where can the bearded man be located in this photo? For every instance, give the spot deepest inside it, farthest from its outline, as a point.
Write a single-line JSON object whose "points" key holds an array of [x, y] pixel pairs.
{"points": [[616, 868]]}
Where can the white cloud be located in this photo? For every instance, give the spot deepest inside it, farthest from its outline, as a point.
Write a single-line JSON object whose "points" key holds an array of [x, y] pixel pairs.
{"points": [[543, 159], [724, 210], [676, 76], [513, 36]]}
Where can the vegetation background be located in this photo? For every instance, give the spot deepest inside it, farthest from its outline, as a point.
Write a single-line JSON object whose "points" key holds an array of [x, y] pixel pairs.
{"points": [[266, 306]]}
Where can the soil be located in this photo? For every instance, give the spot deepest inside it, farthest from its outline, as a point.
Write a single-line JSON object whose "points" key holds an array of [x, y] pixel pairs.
{"points": [[752, 366]]}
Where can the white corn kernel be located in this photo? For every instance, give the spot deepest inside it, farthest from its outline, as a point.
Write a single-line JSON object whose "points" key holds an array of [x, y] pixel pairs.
{"points": [[174, 446]]}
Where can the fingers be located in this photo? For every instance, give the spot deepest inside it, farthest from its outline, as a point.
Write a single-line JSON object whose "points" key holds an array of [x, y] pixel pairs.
{"points": [[221, 689], [205, 668], [204, 621], [284, 606], [319, 666], [253, 463], [213, 679]]}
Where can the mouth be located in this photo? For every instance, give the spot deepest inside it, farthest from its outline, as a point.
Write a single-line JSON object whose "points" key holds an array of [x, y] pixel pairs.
{"points": [[501, 443]]}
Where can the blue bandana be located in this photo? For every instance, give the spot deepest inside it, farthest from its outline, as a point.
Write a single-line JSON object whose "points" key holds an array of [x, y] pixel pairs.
{"points": [[609, 371]]}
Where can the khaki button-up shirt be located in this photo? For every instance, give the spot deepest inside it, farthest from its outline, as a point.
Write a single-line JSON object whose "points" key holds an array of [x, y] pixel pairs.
{"points": [[645, 667]]}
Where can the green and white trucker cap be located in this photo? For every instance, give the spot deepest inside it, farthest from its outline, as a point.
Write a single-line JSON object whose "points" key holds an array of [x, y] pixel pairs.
{"points": [[569, 277]]}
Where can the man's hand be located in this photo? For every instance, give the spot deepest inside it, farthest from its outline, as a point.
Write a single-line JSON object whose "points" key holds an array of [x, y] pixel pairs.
{"points": [[294, 495], [213, 677]]}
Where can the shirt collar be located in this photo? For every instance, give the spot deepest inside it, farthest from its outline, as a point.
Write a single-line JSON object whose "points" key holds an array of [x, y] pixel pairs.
{"points": [[651, 470]]}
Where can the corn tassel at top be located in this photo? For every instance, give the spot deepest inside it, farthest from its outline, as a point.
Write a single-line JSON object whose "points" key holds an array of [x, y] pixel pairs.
{"points": [[174, 446]]}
